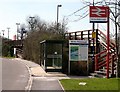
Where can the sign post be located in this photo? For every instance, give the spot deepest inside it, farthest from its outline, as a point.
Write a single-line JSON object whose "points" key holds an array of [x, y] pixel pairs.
{"points": [[100, 14], [108, 44], [15, 52]]}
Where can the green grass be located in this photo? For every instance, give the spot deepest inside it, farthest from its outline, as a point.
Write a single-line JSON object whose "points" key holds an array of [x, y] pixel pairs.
{"points": [[92, 84], [8, 57]]}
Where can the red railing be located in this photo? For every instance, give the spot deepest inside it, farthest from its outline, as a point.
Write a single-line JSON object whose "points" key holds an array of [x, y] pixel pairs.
{"points": [[98, 59], [103, 37]]}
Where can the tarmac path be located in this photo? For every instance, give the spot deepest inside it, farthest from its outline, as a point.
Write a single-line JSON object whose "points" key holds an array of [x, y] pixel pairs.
{"points": [[15, 75], [46, 84], [19, 74]]}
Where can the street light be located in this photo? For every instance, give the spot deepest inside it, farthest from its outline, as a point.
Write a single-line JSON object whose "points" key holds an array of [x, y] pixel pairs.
{"points": [[3, 32], [8, 32], [17, 29], [58, 14], [32, 22]]}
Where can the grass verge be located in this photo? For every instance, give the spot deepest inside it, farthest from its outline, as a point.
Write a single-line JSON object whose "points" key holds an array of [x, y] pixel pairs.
{"points": [[8, 57], [92, 85]]}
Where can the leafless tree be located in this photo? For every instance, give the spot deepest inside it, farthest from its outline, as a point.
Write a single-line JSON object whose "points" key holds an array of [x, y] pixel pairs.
{"points": [[41, 30]]}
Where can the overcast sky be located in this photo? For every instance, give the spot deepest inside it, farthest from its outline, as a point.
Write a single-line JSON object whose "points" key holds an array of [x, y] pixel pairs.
{"points": [[17, 11]]}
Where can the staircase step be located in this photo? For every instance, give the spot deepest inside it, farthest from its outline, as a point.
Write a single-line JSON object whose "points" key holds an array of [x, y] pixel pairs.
{"points": [[97, 75], [100, 72], [104, 70], [91, 55]]}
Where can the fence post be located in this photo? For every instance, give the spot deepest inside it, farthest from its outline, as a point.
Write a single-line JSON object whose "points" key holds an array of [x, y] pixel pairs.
{"points": [[96, 62], [97, 42], [75, 35], [81, 35], [112, 66], [70, 36], [89, 37]]}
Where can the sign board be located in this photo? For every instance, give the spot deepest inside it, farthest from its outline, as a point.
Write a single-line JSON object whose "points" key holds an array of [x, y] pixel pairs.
{"points": [[78, 50], [14, 51], [93, 34], [99, 14]]}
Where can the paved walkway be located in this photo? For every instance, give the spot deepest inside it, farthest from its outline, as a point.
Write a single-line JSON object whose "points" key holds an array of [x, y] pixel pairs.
{"points": [[37, 70], [40, 80]]}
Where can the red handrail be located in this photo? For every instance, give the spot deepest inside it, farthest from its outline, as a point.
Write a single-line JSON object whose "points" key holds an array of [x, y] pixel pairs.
{"points": [[111, 43], [101, 52], [96, 59], [99, 64], [102, 33]]}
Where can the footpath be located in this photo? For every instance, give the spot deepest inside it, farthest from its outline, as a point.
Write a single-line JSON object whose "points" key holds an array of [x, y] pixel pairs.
{"points": [[41, 81]]}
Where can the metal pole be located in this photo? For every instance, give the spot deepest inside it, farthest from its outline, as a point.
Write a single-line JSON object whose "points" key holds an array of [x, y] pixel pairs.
{"points": [[58, 15], [8, 32], [108, 43], [116, 37], [69, 60], [31, 23], [17, 29], [3, 32], [93, 58]]}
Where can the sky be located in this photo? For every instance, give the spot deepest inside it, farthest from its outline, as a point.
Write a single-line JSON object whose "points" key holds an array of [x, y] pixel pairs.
{"points": [[17, 11]]}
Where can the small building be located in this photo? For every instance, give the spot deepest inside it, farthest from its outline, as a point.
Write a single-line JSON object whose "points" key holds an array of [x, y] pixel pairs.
{"points": [[51, 55]]}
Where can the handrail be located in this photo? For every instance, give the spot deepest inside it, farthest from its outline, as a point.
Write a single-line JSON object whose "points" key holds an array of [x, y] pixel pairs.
{"points": [[102, 33], [99, 64], [78, 31], [105, 46], [111, 43], [101, 52], [97, 59]]}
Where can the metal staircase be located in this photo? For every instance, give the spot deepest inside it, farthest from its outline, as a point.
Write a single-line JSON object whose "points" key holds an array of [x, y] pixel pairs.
{"points": [[100, 51], [100, 58]]}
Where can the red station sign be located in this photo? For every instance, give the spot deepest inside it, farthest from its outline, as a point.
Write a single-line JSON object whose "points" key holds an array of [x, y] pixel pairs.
{"points": [[98, 14]]}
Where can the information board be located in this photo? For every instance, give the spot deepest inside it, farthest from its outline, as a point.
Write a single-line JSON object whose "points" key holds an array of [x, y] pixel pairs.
{"points": [[78, 50]]}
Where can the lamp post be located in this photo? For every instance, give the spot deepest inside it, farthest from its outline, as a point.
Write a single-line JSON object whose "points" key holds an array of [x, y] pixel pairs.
{"points": [[58, 15], [17, 29], [32, 23], [3, 32], [8, 32]]}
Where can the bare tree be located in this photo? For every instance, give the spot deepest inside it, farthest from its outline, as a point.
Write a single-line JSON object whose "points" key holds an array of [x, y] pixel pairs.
{"points": [[40, 31]]}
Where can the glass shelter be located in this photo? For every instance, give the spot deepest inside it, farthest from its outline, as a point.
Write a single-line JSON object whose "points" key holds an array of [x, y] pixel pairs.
{"points": [[51, 55]]}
